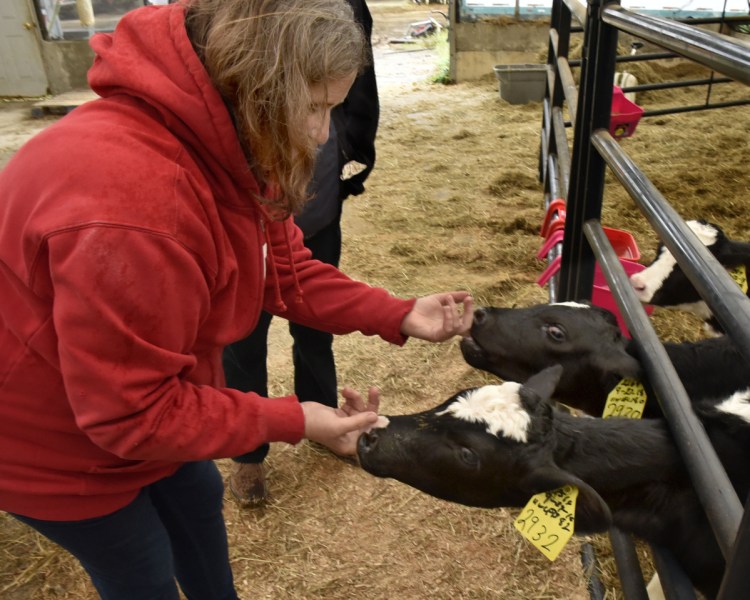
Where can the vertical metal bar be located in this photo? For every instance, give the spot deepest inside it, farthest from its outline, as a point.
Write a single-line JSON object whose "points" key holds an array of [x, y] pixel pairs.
{"points": [[736, 583], [543, 142], [562, 27], [569, 87], [709, 89], [560, 21], [578, 8], [588, 560], [628, 567], [552, 179], [674, 581], [563, 152], [587, 167]]}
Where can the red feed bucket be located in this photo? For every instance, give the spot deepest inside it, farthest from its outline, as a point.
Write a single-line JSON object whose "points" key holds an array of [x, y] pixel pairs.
{"points": [[623, 242], [625, 115]]}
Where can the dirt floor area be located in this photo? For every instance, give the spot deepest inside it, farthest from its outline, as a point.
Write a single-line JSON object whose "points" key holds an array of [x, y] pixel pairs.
{"points": [[454, 202]]}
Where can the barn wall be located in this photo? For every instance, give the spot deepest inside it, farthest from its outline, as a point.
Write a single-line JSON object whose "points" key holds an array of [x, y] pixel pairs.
{"points": [[475, 48], [66, 64]]}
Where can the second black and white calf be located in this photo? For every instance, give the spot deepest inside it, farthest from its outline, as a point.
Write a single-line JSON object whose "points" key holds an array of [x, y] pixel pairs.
{"points": [[664, 283]]}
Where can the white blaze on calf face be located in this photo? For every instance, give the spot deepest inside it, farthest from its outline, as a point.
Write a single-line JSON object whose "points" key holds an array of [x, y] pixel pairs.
{"points": [[738, 404], [382, 422], [499, 406], [571, 304], [647, 282]]}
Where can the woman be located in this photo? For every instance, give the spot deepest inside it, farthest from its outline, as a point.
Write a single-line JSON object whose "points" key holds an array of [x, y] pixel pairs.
{"points": [[139, 236], [342, 165]]}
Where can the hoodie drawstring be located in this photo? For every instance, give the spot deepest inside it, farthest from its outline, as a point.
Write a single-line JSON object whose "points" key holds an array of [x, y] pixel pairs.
{"points": [[280, 306], [297, 288], [279, 302]]}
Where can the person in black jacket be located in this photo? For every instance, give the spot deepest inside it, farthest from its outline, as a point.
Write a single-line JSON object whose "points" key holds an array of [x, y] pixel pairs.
{"points": [[342, 166]]}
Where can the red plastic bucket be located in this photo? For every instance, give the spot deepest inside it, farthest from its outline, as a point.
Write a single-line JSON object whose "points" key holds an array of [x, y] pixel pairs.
{"points": [[625, 115], [623, 242], [602, 296]]}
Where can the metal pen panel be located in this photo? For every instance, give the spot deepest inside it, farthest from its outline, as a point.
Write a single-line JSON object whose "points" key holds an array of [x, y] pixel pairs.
{"points": [[710, 480], [729, 304], [720, 53], [584, 242], [578, 8], [563, 152], [569, 87]]}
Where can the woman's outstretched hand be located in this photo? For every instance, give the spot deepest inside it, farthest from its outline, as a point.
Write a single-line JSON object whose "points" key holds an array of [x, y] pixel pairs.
{"points": [[439, 317]]}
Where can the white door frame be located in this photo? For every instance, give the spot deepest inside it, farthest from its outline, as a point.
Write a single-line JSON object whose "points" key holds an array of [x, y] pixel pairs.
{"points": [[22, 70]]}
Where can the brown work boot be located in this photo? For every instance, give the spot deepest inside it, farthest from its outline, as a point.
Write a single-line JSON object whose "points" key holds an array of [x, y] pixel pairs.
{"points": [[248, 485]]}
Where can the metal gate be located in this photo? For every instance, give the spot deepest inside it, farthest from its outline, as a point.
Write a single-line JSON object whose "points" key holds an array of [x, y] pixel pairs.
{"points": [[577, 177]]}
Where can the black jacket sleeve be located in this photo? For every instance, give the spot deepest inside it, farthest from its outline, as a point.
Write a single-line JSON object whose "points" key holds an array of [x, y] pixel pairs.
{"points": [[357, 118]]}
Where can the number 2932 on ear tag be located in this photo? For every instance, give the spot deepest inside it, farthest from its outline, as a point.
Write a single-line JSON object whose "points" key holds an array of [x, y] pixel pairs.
{"points": [[547, 520]]}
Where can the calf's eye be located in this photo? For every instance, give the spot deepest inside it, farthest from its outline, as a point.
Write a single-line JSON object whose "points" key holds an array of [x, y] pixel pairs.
{"points": [[469, 457], [555, 333]]}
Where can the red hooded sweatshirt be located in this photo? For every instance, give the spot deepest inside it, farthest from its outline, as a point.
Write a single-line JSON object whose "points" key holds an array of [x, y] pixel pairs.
{"points": [[131, 253]]}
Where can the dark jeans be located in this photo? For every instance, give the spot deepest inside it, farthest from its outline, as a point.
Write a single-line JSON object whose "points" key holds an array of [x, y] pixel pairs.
{"points": [[312, 351], [174, 529]]}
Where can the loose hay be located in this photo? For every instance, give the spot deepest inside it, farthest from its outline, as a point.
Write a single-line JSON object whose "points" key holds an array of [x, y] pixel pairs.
{"points": [[453, 203]]}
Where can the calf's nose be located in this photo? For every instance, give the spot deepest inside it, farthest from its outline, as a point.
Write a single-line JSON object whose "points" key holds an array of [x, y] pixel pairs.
{"points": [[638, 283], [367, 441], [480, 315]]}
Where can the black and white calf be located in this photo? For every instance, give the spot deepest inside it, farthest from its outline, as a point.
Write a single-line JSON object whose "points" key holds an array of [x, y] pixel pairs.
{"points": [[663, 282], [515, 343], [498, 445]]}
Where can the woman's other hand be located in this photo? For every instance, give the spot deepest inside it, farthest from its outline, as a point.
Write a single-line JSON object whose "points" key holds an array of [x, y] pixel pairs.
{"points": [[338, 429]]}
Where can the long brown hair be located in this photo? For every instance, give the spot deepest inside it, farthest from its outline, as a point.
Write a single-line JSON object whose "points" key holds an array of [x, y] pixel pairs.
{"points": [[263, 56]]}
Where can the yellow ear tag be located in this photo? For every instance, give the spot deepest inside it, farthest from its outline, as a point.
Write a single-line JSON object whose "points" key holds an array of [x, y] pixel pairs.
{"points": [[547, 520], [739, 274], [627, 400]]}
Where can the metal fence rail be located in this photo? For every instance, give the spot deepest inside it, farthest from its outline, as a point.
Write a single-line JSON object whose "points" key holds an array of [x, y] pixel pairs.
{"points": [[578, 178], [716, 52]]}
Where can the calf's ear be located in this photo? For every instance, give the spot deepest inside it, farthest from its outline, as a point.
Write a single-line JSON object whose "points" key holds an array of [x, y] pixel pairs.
{"points": [[540, 387], [592, 513]]}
